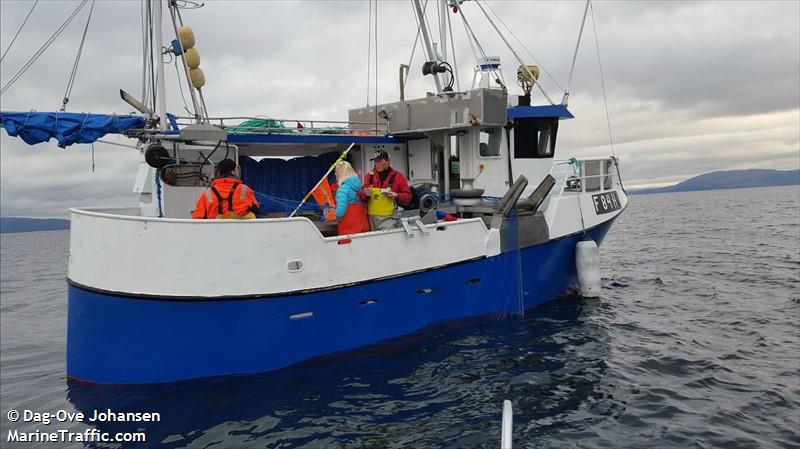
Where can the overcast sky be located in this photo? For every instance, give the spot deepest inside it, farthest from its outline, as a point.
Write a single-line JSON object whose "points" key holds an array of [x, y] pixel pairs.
{"points": [[692, 87]]}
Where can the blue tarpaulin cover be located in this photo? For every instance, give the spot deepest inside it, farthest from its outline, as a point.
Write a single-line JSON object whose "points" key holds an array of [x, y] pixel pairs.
{"points": [[285, 180], [66, 127]]}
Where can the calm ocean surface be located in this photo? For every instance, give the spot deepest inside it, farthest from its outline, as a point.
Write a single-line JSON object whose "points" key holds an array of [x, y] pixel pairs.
{"points": [[694, 343]]}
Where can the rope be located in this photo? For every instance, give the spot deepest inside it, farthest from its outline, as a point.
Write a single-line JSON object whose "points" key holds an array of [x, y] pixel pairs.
{"points": [[180, 87], [83, 123], [286, 204], [158, 193], [18, 31], [43, 48], [71, 81], [575, 56], [576, 170], [602, 83]]}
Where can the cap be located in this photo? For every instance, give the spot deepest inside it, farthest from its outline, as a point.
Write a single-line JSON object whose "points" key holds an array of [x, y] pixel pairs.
{"points": [[226, 166], [380, 154]]}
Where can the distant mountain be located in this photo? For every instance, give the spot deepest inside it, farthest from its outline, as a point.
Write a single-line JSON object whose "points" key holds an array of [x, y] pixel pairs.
{"points": [[731, 179], [19, 224]]}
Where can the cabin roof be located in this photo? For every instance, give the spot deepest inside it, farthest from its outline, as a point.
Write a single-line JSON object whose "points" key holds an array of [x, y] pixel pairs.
{"points": [[546, 111]]}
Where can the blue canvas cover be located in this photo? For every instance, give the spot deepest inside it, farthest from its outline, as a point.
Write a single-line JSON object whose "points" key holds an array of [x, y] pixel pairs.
{"points": [[66, 127], [285, 181]]}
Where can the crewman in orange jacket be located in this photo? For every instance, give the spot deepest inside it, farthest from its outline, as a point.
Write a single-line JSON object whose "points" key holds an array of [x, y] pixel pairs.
{"points": [[228, 197]]}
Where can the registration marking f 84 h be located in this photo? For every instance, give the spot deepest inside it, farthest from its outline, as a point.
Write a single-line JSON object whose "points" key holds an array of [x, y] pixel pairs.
{"points": [[606, 202]]}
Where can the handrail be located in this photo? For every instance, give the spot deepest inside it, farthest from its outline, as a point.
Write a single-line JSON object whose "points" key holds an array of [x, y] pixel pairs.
{"points": [[560, 171], [308, 124], [582, 159]]}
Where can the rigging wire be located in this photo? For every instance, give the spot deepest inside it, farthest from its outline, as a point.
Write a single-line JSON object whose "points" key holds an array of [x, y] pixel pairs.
{"points": [[471, 45], [144, 52], [19, 30], [44, 47], [376, 66], [472, 34], [522, 44], [108, 142], [72, 76], [602, 82], [416, 40], [521, 62], [180, 87], [411, 59], [575, 56], [369, 48]]}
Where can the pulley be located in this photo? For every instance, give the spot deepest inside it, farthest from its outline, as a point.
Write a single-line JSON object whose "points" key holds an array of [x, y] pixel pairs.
{"points": [[156, 156]]}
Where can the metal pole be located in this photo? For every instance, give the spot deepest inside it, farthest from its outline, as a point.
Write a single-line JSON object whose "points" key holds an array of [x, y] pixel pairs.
{"points": [[427, 39], [443, 30], [161, 108]]}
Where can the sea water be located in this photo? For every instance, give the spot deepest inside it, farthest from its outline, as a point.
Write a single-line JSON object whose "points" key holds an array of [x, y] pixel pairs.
{"points": [[695, 342]]}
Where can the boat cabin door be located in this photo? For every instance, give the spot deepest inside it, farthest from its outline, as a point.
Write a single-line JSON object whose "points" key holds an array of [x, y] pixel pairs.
{"points": [[421, 163]]}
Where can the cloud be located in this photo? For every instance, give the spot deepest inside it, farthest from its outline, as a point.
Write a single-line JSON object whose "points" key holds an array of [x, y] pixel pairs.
{"points": [[691, 86]]}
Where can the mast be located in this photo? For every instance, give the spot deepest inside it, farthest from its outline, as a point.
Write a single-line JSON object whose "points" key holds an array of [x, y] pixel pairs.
{"points": [[161, 106], [427, 39], [443, 30]]}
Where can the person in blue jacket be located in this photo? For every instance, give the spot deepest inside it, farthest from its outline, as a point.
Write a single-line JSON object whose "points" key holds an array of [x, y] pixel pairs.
{"points": [[350, 211]]}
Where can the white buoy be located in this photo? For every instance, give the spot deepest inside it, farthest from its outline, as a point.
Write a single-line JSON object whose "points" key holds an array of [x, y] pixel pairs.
{"points": [[587, 262], [508, 425]]}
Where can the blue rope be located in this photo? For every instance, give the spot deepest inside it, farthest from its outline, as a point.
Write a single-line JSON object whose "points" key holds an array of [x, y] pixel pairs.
{"points": [[277, 204], [158, 194]]}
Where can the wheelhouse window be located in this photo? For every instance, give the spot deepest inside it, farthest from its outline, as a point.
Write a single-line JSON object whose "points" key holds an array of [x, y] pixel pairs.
{"points": [[534, 138]]}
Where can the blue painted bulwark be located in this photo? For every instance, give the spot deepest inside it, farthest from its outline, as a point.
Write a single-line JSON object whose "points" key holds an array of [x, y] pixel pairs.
{"points": [[113, 338], [548, 111]]}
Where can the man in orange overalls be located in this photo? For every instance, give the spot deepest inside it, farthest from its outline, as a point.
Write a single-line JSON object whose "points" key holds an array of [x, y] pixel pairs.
{"points": [[228, 197]]}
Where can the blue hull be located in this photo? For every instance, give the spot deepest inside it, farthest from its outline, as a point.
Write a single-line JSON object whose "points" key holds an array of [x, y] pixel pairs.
{"points": [[128, 340]]}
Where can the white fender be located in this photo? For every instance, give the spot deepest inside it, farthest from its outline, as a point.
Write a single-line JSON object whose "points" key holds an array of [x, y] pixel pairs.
{"points": [[587, 262]]}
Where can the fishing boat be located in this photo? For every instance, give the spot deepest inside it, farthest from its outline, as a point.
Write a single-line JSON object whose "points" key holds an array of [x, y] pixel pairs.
{"points": [[496, 227]]}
